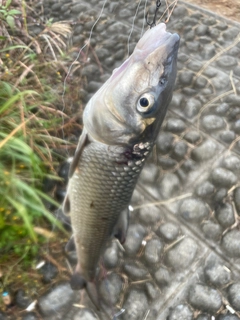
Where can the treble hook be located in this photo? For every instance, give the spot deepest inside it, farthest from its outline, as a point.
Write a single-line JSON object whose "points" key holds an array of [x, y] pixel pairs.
{"points": [[153, 24]]}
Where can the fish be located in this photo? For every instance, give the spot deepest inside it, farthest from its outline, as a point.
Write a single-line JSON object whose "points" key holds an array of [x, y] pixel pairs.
{"points": [[121, 122]]}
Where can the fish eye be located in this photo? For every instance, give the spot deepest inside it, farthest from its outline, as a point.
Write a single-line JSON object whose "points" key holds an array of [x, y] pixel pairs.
{"points": [[145, 103]]}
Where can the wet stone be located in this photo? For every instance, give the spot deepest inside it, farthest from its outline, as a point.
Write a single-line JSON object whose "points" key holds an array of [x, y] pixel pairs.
{"points": [[201, 30], [227, 317], [200, 82], [222, 109], [222, 177], [134, 239], [162, 277], [192, 136], [164, 142], [207, 150], [189, 165], [169, 185], [151, 290], [193, 210], [204, 298], [189, 36], [175, 125], [189, 92], [237, 199], [149, 173], [210, 72], [213, 122], [205, 189], [227, 62], [211, 230], [110, 256], [21, 299], [185, 78], [231, 33], [135, 270], [203, 316], [232, 163], [168, 231], [182, 57], [153, 251], [220, 195], [234, 296], [49, 272], [236, 71], [3, 316], [181, 312], [180, 11], [110, 288], [85, 314], [182, 254], [176, 100], [191, 107], [213, 33], [217, 275], [179, 150], [230, 243], [167, 163], [193, 46], [52, 302], [190, 21], [90, 70], [29, 316], [135, 305], [225, 215], [210, 21], [149, 215], [228, 136]]}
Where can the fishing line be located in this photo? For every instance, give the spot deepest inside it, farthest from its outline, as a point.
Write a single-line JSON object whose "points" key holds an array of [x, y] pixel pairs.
{"points": [[70, 68], [133, 25], [144, 15]]}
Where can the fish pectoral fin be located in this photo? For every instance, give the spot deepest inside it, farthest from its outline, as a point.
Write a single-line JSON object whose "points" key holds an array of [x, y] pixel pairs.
{"points": [[70, 246], [120, 229], [81, 144], [66, 205]]}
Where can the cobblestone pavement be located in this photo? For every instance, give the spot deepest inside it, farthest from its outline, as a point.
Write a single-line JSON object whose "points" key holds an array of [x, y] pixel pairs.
{"points": [[181, 259]]}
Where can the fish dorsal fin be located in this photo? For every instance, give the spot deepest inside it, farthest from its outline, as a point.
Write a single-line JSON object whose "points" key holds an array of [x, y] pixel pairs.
{"points": [[81, 144]]}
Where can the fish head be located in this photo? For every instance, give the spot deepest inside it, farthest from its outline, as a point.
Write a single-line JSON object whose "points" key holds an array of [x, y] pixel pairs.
{"points": [[131, 105]]}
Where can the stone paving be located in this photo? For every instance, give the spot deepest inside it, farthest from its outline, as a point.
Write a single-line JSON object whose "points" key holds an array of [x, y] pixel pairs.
{"points": [[181, 259]]}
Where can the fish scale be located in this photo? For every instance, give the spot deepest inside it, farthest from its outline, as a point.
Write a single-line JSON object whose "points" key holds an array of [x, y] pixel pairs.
{"points": [[105, 190]]}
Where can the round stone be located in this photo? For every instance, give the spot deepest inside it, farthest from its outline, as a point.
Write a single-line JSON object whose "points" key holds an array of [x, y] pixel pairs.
{"points": [[193, 46], [135, 270], [227, 317], [180, 11], [227, 62], [205, 189], [21, 299], [110, 256], [153, 251], [179, 150], [204, 298], [225, 215], [194, 210], [149, 215], [169, 185], [237, 199], [222, 109], [191, 107], [222, 177], [231, 163], [135, 305], [194, 65], [134, 239], [228, 136], [181, 312], [230, 243], [189, 36], [186, 77], [201, 30], [200, 82], [203, 316], [234, 296], [175, 125], [182, 255], [151, 290], [85, 314], [110, 288], [192, 136], [168, 231], [162, 277], [52, 301], [165, 142], [212, 230], [210, 72], [231, 33], [217, 275], [205, 151], [166, 163], [220, 195], [212, 122], [209, 21]]}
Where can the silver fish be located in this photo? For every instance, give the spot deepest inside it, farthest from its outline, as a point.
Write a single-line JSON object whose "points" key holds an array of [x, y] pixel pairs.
{"points": [[121, 123]]}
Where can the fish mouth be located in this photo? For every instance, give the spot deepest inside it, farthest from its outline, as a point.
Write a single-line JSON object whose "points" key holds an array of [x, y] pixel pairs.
{"points": [[156, 38]]}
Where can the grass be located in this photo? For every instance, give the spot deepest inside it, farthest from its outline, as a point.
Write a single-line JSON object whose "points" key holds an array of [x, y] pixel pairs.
{"points": [[31, 126]]}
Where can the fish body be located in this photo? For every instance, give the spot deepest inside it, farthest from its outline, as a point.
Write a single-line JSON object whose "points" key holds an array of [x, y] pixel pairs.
{"points": [[121, 123]]}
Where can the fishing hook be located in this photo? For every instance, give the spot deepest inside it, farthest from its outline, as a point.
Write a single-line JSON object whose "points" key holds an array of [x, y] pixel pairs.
{"points": [[153, 24]]}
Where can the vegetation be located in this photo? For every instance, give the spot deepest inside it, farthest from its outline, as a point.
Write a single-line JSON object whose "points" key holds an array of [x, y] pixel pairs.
{"points": [[30, 127]]}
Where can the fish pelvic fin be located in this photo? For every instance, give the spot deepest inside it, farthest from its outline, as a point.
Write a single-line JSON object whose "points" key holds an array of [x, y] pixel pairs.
{"points": [[66, 205]]}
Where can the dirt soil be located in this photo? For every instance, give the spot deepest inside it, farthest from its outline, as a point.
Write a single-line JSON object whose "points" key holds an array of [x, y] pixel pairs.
{"points": [[228, 8]]}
